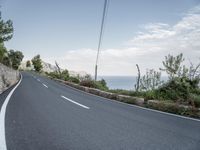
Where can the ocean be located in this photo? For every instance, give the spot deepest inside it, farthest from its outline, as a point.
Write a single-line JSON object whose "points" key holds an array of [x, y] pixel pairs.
{"points": [[122, 82]]}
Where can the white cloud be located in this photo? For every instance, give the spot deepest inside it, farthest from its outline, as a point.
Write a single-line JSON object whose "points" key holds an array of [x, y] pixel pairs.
{"points": [[147, 48]]}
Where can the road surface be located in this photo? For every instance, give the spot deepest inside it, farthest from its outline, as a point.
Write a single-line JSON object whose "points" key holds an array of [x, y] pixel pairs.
{"points": [[45, 115]]}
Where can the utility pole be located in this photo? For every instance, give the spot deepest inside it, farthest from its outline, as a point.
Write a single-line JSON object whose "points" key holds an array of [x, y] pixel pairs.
{"points": [[100, 37]]}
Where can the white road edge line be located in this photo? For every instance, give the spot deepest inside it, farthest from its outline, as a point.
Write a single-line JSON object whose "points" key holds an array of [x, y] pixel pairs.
{"points": [[44, 85], [38, 80], [2, 118], [75, 102], [144, 108]]}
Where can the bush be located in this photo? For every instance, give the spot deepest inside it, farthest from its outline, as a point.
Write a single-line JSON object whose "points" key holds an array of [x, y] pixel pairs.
{"points": [[150, 81], [88, 83], [64, 75], [149, 95], [101, 86], [74, 80], [195, 99], [95, 84], [174, 108], [54, 75], [87, 77], [177, 89]]}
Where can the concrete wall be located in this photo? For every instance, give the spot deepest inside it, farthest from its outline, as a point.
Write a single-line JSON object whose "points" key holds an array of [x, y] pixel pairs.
{"points": [[8, 77]]}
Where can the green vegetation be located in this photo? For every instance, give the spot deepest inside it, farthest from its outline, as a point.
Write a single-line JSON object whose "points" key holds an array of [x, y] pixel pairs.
{"points": [[63, 75], [150, 81], [180, 94], [172, 107], [37, 63], [89, 82], [9, 58], [181, 89], [6, 30], [3, 52], [15, 58], [173, 66], [182, 86], [74, 80], [83, 81], [28, 63]]}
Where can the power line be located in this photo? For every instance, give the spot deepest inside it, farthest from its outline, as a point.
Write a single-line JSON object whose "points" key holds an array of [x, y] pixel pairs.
{"points": [[105, 9]]}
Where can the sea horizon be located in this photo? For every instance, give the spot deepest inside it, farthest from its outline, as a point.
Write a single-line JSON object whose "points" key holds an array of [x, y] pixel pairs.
{"points": [[122, 82]]}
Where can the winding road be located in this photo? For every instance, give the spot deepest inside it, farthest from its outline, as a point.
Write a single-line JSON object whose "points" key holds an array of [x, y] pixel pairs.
{"points": [[42, 114]]}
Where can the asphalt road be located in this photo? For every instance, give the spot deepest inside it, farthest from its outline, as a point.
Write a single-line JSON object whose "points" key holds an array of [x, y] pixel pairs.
{"points": [[45, 115]]}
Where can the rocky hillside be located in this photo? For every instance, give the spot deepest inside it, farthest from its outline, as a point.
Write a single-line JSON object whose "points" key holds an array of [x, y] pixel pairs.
{"points": [[46, 67], [8, 77], [51, 68]]}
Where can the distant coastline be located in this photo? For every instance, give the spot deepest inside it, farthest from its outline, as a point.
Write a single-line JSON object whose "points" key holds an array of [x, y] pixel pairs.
{"points": [[122, 82]]}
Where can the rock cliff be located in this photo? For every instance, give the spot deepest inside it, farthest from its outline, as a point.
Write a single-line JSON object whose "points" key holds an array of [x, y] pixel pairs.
{"points": [[8, 77]]}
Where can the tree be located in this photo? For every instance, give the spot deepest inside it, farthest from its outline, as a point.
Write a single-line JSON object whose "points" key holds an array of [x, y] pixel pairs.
{"points": [[6, 33], [151, 80], [37, 63], [194, 71], [6, 30], [16, 58], [28, 63], [3, 52], [172, 66]]}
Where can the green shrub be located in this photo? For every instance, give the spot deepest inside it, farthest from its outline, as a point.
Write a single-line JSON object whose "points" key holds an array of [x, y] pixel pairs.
{"points": [[150, 95], [195, 99], [95, 84], [54, 75], [196, 91], [74, 80], [101, 86], [150, 81], [103, 83], [177, 89], [64, 75], [173, 108], [86, 77], [88, 83]]}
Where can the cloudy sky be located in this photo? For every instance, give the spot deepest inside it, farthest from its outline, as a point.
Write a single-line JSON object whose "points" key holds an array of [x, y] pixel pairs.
{"points": [[136, 32]]}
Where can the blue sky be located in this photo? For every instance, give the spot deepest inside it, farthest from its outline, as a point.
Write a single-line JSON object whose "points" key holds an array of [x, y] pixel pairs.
{"points": [[68, 30]]}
